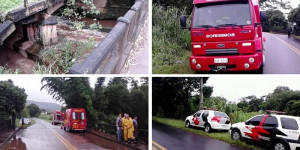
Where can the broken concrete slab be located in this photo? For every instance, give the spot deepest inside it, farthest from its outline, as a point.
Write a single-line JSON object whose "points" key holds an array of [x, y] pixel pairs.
{"points": [[6, 29]]}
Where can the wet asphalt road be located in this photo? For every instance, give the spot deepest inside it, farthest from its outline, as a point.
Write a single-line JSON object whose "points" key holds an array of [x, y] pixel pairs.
{"points": [[176, 139], [44, 136], [282, 54]]}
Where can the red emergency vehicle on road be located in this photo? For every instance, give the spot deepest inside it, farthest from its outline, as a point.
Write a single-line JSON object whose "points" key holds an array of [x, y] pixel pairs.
{"points": [[75, 119], [58, 117], [226, 35]]}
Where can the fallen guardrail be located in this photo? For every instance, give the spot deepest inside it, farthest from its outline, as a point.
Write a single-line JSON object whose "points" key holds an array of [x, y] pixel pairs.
{"points": [[111, 54]]}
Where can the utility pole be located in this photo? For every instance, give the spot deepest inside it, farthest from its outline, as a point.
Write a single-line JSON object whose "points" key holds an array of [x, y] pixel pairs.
{"points": [[201, 93]]}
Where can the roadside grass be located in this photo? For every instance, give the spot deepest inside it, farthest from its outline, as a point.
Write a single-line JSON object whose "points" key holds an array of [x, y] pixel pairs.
{"points": [[9, 5], [5, 70], [297, 37], [170, 44], [223, 136], [32, 122], [46, 117]]}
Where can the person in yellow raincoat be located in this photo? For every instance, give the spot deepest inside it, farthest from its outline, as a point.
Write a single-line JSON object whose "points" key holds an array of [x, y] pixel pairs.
{"points": [[125, 125], [130, 130]]}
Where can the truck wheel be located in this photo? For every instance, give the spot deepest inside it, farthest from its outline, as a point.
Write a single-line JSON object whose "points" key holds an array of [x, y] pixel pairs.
{"points": [[235, 135], [261, 69], [187, 124], [207, 128], [280, 145]]}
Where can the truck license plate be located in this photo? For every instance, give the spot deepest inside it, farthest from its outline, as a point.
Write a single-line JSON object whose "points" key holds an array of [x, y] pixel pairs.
{"points": [[221, 60], [221, 67]]}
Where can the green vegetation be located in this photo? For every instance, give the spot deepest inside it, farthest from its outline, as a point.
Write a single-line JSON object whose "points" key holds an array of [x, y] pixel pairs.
{"points": [[12, 100], [104, 102], [5, 70], [46, 117], [171, 45], [59, 58], [34, 110], [8, 5], [183, 99], [276, 21], [216, 135]]}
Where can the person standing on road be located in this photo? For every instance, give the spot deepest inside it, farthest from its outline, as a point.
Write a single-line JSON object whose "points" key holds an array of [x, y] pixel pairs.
{"points": [[135, 125], [125, 125], [130, 130], [119, 127], [22, 120]]}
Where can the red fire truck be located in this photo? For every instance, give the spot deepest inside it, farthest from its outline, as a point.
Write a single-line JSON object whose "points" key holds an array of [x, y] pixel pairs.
{"points": [[75, 119], [58, 117], [226, 35]]}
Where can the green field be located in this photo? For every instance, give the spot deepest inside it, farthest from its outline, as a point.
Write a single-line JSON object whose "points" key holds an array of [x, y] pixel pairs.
{"points": [[9, 5], [46, 117], [216, 135]]}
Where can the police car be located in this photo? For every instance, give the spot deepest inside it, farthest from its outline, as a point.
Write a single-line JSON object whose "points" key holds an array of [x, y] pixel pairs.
{"points": [[280, 132], [209, 120]]}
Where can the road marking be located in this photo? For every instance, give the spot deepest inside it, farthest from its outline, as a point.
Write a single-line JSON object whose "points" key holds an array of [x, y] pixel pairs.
{"points": [[156, 146], [63, 140], [289, 45]]}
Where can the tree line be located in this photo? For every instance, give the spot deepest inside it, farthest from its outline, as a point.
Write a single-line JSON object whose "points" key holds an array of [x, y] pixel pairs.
{"points": [[182, 98], [104, 102]]}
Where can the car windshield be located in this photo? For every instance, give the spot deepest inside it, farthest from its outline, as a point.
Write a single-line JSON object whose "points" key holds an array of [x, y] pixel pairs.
{"points": [[222, 14]]}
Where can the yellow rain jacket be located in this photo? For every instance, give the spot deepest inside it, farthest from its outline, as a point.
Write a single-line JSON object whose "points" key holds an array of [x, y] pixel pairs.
{"points": [[125, 125], [130, 129]]}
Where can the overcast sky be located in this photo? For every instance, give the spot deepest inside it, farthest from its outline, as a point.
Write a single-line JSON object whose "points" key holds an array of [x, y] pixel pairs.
{"points": [[235, 87], [32, 86]]}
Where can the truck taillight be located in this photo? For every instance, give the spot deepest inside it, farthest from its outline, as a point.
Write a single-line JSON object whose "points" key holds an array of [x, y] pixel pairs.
{"points": [[216, 118], [256, 32]]}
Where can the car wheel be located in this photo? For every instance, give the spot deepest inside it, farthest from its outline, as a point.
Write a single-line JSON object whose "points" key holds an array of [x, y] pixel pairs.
{"points": [[235, 135], [207, 128], [187, 124], [261, 69], [280, 145]]}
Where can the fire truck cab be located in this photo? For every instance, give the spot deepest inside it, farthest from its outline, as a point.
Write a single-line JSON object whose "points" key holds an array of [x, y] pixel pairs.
{"points": [[226, 35], [58, 117], [75, 119]]}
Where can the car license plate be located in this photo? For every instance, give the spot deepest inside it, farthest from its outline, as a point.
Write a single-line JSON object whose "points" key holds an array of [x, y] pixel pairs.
{"points": [[221, 60]]}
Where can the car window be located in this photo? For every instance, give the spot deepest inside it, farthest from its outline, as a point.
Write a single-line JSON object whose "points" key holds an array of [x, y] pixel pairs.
{"points": [[82, 117], [255, 121], [74, 115], [289, 123], [220, 114], [271, 122]]}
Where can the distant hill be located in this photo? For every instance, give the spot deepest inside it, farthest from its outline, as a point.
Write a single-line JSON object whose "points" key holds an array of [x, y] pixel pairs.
{"points": [[49, 107]]}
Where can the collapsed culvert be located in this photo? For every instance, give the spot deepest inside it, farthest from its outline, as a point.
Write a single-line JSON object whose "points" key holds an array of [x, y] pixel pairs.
{"points": [[36, 38]]}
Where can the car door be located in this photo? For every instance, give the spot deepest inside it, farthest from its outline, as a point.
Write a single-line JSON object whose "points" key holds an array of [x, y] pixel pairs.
{"points": [[252, 128], [269, 129], [203, 118], [196, 119], [289, 128]]}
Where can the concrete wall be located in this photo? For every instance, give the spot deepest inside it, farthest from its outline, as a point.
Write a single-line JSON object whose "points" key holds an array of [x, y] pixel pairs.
{"points": [[112, 9]]}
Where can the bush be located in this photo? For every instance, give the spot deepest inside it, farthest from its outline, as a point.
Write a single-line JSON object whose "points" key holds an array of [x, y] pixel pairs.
{"points": [[170, 43]]}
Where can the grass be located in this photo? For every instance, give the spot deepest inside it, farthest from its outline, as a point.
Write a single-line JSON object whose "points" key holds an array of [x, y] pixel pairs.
{"points": [[4, 70], [46, 117], [170, 44], [8, 5], [297, 37], [59, 58], [216, 135], [32, 122]]}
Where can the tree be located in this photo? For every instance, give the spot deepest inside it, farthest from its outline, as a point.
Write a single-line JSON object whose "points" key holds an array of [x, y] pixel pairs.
{"points": [[275, 4], [275, 21], [12, 99], [293, 107], [34, 110], [294, 17]]}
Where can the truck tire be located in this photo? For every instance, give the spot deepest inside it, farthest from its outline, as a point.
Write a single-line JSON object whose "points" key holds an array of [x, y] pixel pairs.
{"points": [[187, 124], [236, 135], [261, 69], [280, 145]]}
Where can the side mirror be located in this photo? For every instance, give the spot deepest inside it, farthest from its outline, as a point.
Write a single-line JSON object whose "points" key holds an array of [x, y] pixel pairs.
{"points": [[263, 16], [183, 21]]}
